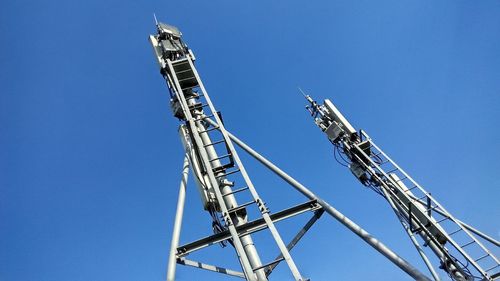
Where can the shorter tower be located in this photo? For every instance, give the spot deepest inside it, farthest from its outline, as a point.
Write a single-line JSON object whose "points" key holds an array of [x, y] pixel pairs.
{"points": [[462, 255]]}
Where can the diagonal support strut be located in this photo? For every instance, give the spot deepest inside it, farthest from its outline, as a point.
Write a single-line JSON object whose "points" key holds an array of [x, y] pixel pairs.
{"points": [[247, 228], [317, 214], [363, 234]]}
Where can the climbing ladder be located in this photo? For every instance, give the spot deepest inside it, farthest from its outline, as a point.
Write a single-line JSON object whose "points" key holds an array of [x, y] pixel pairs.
{"points": [[425, 214], [457, 246], [186, 80], [190, 101]]}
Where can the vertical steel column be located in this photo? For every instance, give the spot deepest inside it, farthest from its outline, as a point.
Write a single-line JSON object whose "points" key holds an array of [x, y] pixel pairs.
{"points": [[230, 201], [172, 258], [238, 245]]}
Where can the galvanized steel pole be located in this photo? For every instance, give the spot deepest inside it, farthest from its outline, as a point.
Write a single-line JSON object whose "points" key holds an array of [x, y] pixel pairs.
{"points": [[172, 259]]}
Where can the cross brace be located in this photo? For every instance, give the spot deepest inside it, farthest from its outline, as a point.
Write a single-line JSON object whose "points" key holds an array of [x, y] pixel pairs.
{"points": [[247, 228], [210, 267]]}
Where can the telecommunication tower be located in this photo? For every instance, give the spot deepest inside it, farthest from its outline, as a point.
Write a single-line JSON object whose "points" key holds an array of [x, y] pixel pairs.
{"points": [[220, 178], [215, 174], [458, 247]]}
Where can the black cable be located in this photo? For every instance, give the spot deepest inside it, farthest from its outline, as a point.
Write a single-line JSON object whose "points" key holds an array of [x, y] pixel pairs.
{"points": [[339, 151], [377, 159], [342, 153], [464, 268], [217, 226], [335, 156]]}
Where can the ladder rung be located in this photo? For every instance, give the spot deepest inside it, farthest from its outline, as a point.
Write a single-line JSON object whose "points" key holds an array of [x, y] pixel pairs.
{"points": [[236, 191], [218, 169], [221, 157], [393, 170], [402, 179], [190, 87], [467, 244], [182, 71], [227, 174], [198, 105], [456, 231], [268, 264], [208, 130], [214, 143], [208, 116], [425, 196], [491, 268], [180, 62], [413, 187], [193, 97], [476, 260], [240, 207], [189, 78], [442, 220]]}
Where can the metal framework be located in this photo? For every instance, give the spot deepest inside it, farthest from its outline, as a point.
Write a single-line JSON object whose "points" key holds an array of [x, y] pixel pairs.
{"points": [[217, 170], [462, 255]]}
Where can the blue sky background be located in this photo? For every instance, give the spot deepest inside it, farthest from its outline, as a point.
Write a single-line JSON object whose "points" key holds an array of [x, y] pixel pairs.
{"points": [[90, 158]]}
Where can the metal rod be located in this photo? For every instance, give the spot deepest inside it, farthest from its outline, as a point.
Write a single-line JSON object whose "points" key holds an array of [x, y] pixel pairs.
{"points": [[463, 224], [297, 238], [172, 258], [363, 234], [276, 261], [210, 267], [479, 233]]}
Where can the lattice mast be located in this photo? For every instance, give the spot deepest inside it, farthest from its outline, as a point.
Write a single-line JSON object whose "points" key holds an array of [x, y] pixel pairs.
{"points": [[215, 173], [462, 255]]}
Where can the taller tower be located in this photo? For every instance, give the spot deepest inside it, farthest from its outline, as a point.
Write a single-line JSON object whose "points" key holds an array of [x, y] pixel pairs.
{"points": [[214, 162]]}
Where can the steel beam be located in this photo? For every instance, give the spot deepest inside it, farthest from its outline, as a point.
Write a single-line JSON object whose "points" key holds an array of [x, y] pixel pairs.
{"points": [[247, 228], [296, 239], [210, 267]]}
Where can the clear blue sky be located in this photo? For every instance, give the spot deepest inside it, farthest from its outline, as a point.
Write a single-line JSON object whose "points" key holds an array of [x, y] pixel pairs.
{"points": [[90, 157]]}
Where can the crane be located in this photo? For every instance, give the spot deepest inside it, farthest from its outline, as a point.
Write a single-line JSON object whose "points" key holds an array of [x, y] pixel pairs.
{"points": [[462, 255]]}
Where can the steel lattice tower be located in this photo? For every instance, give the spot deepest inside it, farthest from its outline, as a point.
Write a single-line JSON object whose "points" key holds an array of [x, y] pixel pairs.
{"points": [[458, 246], [220, 177]]}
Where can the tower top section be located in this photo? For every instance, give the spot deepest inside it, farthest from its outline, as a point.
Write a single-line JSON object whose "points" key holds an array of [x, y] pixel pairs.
{"points": [[169, 29], [168, 44]]}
